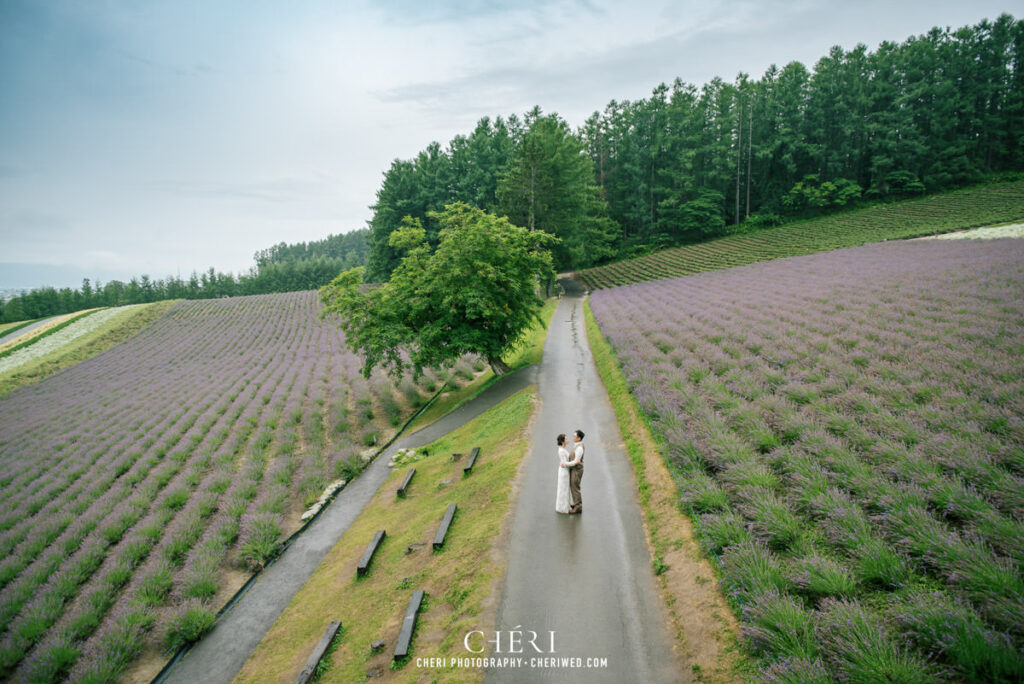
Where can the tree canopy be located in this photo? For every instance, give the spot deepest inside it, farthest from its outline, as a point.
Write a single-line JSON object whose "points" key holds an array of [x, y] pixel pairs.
{"points": [[475, 293], [349, 248]]}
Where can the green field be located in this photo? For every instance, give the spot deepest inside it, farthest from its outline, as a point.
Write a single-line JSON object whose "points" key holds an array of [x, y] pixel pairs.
{"points": [[984, 205]]}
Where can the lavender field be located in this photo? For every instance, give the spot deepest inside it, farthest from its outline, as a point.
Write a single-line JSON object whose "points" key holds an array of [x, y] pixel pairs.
{"points": [[134, 483], [846, 429]]}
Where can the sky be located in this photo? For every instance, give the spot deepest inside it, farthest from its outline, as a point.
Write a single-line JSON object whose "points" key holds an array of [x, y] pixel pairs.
{"points": [[161, 138]]}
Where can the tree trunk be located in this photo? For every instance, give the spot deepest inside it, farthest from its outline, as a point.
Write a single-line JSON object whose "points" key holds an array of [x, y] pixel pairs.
{"points": [[497, 365], [739, 160], [750, 153], [533, 200]]}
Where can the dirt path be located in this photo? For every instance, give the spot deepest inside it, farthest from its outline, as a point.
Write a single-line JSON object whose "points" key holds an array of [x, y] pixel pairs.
{"points": [[220, 654], [587, 578]]}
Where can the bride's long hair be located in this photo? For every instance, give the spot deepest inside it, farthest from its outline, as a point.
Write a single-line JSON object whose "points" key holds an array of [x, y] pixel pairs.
{"points": [[561, 440]]}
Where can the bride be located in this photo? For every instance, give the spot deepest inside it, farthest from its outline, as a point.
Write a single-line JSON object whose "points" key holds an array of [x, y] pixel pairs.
{"points": [[562, 492]]}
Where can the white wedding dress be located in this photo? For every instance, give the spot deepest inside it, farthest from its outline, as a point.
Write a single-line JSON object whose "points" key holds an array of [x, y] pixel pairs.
{"points": [[562, 491]]}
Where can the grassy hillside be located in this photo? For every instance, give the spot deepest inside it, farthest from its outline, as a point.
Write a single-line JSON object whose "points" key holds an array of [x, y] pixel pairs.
{"points": [[968, 208]]}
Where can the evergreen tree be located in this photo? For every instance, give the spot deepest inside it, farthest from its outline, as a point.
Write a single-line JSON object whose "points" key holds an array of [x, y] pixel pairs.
{"points": [[549, 186]]}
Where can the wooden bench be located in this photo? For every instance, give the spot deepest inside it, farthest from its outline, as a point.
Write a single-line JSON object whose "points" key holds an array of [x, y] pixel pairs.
{"points": [[364, 562], [408, 625], [318, 653], [405, 482], [472, 459], [446, 522]]}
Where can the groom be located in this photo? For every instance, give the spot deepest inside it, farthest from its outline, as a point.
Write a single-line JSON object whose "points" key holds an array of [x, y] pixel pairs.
{"points": [[575, 467]]}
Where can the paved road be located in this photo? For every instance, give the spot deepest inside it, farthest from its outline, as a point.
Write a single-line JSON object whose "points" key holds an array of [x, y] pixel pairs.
{"points": [[4, 339], [586, 577], [220, 654]]}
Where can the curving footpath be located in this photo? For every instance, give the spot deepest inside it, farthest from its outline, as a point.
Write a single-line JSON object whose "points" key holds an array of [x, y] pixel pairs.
{"points": [[588, 578], [220, 654]]}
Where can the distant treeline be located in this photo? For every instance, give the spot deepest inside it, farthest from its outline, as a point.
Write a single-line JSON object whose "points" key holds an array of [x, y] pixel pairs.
{"points": [[351, 248], [281, 268], [937, 111]]}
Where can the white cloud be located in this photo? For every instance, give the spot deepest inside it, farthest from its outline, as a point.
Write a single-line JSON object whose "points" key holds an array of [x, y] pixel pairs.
{"points": [[180, 135]]}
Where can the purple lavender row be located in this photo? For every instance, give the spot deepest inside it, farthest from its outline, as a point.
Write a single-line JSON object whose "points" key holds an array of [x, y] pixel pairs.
{"points": [[176, 538], [74, 387], [102, 486], [18, 641], [143, 404], [170, 376], [109, 581]]}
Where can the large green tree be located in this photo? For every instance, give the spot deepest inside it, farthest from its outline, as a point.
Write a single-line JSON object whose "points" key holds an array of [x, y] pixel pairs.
{"points": [[475, 293]]}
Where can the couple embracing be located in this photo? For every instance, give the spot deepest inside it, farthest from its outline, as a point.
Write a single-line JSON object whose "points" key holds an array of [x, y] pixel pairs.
{"points": [[570, 472]]}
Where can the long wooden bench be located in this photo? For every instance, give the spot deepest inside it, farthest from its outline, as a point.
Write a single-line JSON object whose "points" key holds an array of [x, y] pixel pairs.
{"points": [[405, 483], [306, 675], [472, 460], [364, 562], [408, 625], [446, 522]]}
